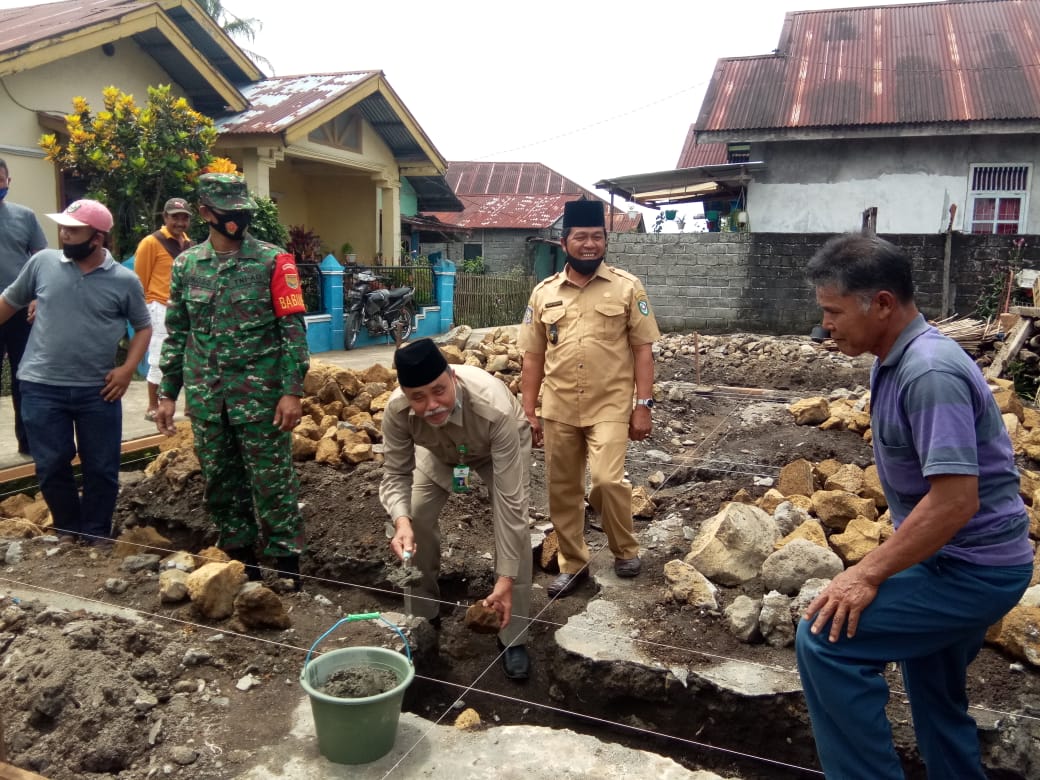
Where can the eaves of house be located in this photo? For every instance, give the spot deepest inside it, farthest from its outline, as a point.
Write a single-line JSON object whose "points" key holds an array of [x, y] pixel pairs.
{"points": [[921, 69], [209, 68]]}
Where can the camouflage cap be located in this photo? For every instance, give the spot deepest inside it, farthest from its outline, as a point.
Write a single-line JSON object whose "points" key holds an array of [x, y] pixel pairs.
{"points": [[225, 191]]}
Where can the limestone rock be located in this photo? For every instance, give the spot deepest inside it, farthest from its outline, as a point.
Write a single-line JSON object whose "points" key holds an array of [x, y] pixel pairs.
{"points": [[774, 621], [348, 380], [211, 555], [308, 428], [791, 513], [1008, 402], [182, 560], [303, 448], [453, 355], [176, 465], [871, 487], [848, 478], [1028, 484], [327, 451], [141, 539], [259, 607], [731, 546], [860, 537], [770, 500], [810, 530], [550, 547], [12, 506], [1018, 633], [37, 513], [810, 411], [689, 586], [810, 590], [379, 373], [796, 478], [330, 392], [742, 497], [788, 568], [824, 469], [18, 528], [212, 588], [836, 508], [742, 618], [642, 503], [173, 586], [482, 620], [353, 436], [356, 453], [316, 377], [458, 336], [379, 402], [468, 719], [497, 363]]}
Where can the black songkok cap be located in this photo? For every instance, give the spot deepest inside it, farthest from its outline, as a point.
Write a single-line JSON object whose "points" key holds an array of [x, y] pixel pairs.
{"points": [[583, 213], [419, 363]]}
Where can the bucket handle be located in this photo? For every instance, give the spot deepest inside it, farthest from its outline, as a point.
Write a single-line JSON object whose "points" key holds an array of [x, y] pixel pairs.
{"points": [[354, 618]]}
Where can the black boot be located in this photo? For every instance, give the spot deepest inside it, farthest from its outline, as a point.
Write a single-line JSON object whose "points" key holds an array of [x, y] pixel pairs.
{"points": [[247, 557]]}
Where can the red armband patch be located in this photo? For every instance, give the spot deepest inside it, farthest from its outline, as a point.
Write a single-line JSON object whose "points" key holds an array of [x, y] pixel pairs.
{"points": [[286, 294]]}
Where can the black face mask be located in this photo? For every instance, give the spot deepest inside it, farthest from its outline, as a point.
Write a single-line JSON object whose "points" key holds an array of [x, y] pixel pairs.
{"points": [[584, 267], [80, 251], [232, 224]]}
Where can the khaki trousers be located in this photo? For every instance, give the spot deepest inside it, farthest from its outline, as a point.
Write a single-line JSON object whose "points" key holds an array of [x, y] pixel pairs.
{"points": [[603, 446], [429, 494]]}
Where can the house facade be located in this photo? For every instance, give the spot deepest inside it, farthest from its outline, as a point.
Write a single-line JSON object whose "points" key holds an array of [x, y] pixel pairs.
{"points": [[513, 213], [335, 151]]}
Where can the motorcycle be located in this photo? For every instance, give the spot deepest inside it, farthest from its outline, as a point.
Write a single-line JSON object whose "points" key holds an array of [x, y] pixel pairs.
{"points": [[380, 311]]}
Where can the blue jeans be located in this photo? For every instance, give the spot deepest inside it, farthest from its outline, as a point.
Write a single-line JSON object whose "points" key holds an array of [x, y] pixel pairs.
{"points": [[932, 618], [58, 418]]}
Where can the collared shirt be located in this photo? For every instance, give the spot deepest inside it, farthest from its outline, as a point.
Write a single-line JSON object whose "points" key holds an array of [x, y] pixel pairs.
{"points": [[490, 424], [153, 264], [80, 317], [587, 334], [225, 345], [933, 414], [20, 238]]}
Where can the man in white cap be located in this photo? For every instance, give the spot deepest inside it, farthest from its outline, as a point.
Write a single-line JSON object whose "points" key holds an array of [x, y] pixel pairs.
{"points": [[153, 264], [71, 394]]}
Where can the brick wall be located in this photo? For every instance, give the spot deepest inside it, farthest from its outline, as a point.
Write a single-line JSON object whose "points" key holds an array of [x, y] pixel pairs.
{"points": [[725, 282]]}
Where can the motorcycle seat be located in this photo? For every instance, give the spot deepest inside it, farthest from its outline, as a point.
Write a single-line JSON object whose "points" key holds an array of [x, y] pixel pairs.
{"points": [[400, 292]]}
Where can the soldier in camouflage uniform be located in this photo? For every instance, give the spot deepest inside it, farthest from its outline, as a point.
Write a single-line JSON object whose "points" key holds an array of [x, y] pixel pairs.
{"points": [[242, 368]]}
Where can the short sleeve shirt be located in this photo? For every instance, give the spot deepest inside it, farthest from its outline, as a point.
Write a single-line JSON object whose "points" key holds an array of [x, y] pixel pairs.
{"points": [[586, 335]]}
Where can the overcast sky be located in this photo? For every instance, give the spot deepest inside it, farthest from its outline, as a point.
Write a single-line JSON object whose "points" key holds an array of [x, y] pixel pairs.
{"points": [[590, 89]]}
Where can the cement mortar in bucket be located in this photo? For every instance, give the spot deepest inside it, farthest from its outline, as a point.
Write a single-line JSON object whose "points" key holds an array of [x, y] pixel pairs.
{"points": [[356, 730]]}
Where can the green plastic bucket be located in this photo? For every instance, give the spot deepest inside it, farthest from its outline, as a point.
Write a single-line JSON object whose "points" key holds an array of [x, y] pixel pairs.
{"points": [[356, 731]]}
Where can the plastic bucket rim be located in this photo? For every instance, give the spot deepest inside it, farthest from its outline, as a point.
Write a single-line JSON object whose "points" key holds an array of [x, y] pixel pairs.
{"points": [[396, 690]]}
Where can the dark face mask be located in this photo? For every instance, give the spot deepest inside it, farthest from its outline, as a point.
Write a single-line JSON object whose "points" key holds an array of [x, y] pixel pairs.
{"points": [[80, 251], [3, 192], [232, 224], [584, 267]]}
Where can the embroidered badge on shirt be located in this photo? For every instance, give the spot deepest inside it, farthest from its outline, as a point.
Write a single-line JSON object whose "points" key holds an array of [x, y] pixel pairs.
{"points": [[528, 315], [644, 308]]}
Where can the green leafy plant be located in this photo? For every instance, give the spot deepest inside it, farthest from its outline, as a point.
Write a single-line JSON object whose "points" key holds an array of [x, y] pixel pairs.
{"points": [[1000, 290], [305, 244], [474, 265], [132, 158], [266, 225]]}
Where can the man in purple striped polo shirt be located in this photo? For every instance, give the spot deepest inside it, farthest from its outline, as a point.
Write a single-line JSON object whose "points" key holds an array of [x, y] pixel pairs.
{"points": [[960, 557]]}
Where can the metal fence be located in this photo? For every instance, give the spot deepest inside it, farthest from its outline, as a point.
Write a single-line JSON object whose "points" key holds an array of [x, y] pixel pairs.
{"points": [[418, 277], [310, 285], [490, 300]]}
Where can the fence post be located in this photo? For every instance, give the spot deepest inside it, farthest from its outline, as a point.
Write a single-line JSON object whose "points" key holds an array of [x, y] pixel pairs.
{"points": [[444, 277], [332, 296]]}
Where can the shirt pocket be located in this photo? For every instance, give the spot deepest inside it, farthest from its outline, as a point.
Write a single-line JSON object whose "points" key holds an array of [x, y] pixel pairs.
{"points": [[552, 321], [251, 307], [902, 467], [610, 321], [199, 303]]}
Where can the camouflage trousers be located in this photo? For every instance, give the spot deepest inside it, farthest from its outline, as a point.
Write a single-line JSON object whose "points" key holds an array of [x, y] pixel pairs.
{"points": [[251, 484]]}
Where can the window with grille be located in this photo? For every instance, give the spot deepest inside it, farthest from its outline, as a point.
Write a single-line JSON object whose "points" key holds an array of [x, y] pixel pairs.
{"points": [[738, 153], [997, 198]]}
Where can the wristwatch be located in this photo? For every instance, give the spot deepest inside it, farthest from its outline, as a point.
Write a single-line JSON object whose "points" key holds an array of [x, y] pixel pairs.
{"points": [[647, 402]]}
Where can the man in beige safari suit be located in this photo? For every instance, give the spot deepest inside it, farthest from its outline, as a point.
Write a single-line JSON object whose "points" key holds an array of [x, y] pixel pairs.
{"points": [[587, 336]]}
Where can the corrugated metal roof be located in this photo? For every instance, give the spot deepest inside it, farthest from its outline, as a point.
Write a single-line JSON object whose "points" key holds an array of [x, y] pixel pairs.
{"points": [[883, 65], [524, 212], [510, 178], [279, 102], [22, 27], [695, 155]]}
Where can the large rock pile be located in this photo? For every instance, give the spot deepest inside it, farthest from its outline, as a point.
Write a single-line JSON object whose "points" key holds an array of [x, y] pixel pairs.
{"points": [[23, 516], [781, 550]]}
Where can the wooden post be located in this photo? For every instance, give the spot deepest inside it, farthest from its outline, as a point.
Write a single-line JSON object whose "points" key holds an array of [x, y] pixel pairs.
{"points": [[869, 221], [947, 303]]}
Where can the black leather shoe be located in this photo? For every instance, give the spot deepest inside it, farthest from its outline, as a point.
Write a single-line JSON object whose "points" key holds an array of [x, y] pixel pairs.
{"points": [[289, 569], [566, 584], [515, 662], [247, 557], [628, 567]]}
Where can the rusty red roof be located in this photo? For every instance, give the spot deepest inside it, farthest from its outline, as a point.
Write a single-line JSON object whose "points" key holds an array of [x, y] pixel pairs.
{"points": [[20, 28], [694, 155], [278, 102], [514, 195], [899, 64]]}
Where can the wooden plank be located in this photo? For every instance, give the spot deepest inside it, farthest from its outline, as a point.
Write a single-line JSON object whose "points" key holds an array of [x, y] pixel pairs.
{"points": [[1016, 338], [1025, 311], [8, 772], [131, 445]]}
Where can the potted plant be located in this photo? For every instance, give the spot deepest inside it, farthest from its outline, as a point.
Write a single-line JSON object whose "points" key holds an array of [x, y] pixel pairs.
{"points": [[347, 252]]}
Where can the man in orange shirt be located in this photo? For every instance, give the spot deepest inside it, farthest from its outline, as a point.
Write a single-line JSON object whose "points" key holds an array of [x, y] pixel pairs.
{"points": [[153, 264]]}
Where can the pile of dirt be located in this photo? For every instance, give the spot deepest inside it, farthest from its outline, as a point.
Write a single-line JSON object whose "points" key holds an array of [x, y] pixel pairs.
{"points": [[83, 694]]}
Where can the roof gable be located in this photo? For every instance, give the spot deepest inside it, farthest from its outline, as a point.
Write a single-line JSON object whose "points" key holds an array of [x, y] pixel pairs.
{"points": [[510, 178], [924, 63], [177, 34]]}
